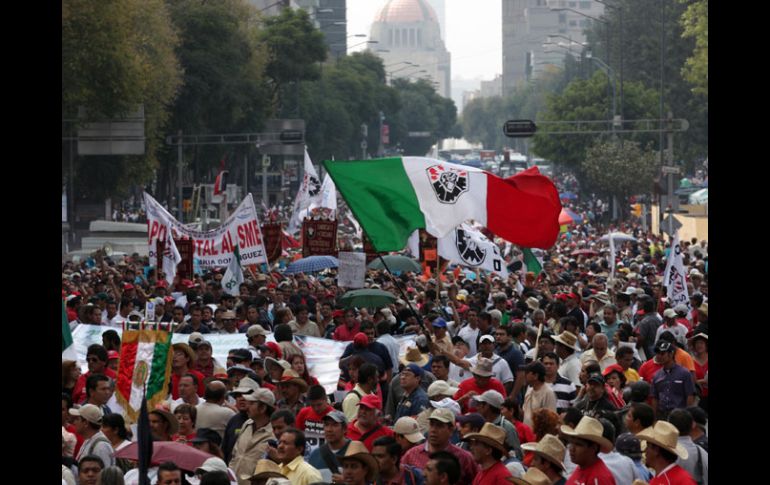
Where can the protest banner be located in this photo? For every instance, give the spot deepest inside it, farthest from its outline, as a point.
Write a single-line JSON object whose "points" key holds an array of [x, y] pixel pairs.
{"points": [[675, 277], [273, 236], [319, 238], [351, 271], [470, 247], [213, 248]]}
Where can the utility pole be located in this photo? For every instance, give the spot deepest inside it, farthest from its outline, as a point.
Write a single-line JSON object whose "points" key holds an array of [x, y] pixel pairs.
{"points": [[179, 176]]}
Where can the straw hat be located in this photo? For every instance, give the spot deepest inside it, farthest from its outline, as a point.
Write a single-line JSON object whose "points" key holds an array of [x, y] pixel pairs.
{"points": [[589, 429], [665, 435], [491, 435], [568, 339], [414, 356], [533, 303], [532, 477], [265, 469], [290, 376], [483, 367], [187, 350], [548, 448], [358, 451]]}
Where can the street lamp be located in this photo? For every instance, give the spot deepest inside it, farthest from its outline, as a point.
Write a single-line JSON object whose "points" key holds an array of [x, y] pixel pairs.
{"points": [[365, 42], [619, 9], [355, 35], [607, 25], [397, 63], [611, 79]]}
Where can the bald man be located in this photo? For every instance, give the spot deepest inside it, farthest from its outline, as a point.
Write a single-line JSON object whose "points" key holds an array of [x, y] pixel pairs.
{"points": [[599, 352], [213, 413]]}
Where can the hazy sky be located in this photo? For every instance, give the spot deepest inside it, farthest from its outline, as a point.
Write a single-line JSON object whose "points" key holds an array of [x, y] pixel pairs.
{"points": [[473, 36]]}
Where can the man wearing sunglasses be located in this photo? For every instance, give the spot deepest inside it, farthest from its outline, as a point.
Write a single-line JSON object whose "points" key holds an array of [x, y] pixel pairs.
{"points": [[96, 356]]}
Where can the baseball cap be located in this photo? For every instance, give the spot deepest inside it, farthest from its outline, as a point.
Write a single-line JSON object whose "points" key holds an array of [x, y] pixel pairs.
{"points": [[409, 429], [128, 286], [371, 401], [496, 314], [89, 412], [337, 416], [444, 415], [476, 420], [275, 348], [439, 322], [265, 396], [360, 340], [112, 355], [595, 377], [487, 338], [253, 330], [213, 464], [441, 388], [628, 444], [669, 313], [245, 386], [195, 338], [491, 397], [414, 369], [663, 346], [202, 435]]}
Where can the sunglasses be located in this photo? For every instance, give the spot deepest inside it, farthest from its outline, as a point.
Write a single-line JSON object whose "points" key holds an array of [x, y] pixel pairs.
{"points": [[92, 359]]}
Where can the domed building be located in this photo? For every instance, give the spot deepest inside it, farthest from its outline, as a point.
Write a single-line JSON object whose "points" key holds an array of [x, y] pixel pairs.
{"points": [[408, 31]]}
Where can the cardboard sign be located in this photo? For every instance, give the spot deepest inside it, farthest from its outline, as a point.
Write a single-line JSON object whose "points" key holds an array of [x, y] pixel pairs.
{"points": [[273, 234], [319, 238], [351, 271]]}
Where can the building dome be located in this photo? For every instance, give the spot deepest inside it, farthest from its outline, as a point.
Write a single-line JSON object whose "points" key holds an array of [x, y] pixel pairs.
{"points": [[403, 11]]}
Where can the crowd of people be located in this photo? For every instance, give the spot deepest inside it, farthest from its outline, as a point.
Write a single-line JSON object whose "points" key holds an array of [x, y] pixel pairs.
{"points": [[567, 376]]}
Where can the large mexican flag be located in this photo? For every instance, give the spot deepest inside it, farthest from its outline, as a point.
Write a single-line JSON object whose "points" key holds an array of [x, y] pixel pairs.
{"points": [[391, 197], [67, 345], [145, 359]]}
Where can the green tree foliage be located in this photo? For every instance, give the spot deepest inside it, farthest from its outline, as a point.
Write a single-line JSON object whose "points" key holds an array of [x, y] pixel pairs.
{"points": [[295, 50], [422, 110], [588, 100], [619, 169], [695, 21], [117, 55], [645, 26]]}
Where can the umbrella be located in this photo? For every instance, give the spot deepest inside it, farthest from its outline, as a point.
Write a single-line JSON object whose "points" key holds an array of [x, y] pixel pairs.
{"points": [[587, 252], [312, 264], [367, 298], [618, 237], [564, 218], [574, 216], [186, 457], [396, 262], [568, 195]]}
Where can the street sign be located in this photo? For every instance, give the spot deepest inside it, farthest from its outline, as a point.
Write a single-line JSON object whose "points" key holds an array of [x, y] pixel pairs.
{"points": [[291, 137], [670, 225], [519, 128], [670, 170], [419, 134]]}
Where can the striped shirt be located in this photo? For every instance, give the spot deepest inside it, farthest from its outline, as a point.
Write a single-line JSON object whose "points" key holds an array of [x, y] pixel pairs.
{"points": [[565, 391]]}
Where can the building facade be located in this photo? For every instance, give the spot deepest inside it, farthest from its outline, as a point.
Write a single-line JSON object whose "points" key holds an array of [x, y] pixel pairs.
{"points": [[409, 42]]}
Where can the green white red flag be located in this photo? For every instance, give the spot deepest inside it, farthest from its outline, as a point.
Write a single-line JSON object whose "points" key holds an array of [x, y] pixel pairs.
{"points": [[145, 360]]}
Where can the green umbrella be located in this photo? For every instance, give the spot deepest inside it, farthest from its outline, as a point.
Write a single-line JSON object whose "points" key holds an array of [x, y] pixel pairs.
{"points": [[396, 262], [367, 298]]}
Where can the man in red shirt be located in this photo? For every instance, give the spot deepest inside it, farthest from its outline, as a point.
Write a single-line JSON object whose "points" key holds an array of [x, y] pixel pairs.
{"points": [[367, 426], [348, 330], [488, 448], [96, 356], [181, 364], [663, 449], [442, 425], [481, 381], [585, 443], [310, 419]]}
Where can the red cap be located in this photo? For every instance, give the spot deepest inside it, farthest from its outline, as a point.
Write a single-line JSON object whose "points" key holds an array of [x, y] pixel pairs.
{"points": [[270, 286], [329, 294], [612, 368], [275, 348], [410, 290], [221, 376], [161, 284], [338, 313], [112, 355], [128, 286], [188, 283], [361, 340], [561, 296], [371, 401], [572, 295], [168, 299]]}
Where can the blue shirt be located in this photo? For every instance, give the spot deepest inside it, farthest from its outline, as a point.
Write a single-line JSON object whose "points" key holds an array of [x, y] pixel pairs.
{"points": [[316, 460], [671, 387], [413, 404]]}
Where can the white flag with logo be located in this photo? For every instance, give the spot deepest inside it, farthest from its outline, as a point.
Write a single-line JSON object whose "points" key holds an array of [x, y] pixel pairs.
{"points": [[674, 279], [309, 193], [469, 247], [171, 258], [231, 281], [328, 196]]}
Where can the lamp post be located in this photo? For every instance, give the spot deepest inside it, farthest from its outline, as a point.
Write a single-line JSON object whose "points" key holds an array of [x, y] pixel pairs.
{"points": [[619, 9], [606, 24], [611, 80]]}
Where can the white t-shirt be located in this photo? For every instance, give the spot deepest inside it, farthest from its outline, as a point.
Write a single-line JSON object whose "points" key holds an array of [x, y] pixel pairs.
{"points": [[469, 335]]}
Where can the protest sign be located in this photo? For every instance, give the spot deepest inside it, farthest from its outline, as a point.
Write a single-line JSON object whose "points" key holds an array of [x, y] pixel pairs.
{"points": [[674, 279], [273, 234], [319, 238], [214, 248], [351, 270], [469, 247]]}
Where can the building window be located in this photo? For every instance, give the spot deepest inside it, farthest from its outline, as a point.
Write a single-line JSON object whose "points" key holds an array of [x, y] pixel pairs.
{"points": [[397, 36], [573, 23], [411, 37], [585, 5], [419, 37], [562, 18], [390, 37], [404, 37], [585, 23], [572, 4]]}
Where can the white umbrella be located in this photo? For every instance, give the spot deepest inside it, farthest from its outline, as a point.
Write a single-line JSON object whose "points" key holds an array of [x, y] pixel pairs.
{"points": [[618, 237]]}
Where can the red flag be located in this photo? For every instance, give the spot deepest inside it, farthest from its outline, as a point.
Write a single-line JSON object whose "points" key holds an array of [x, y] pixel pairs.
{"points": [[221, 181]]}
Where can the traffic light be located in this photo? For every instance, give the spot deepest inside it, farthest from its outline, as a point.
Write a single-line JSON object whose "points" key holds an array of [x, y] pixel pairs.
{"points": [[636, 210]]}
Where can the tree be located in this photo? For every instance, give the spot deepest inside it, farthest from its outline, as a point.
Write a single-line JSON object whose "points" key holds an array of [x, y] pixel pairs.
{"points": [[695, 21], [587, 100], [116, 56], [422, 110], [619, 169]]}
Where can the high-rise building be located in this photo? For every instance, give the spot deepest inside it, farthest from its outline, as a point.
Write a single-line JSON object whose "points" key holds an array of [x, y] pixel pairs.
{"points": [[331, 20], [409, 41], [527, 25]]}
